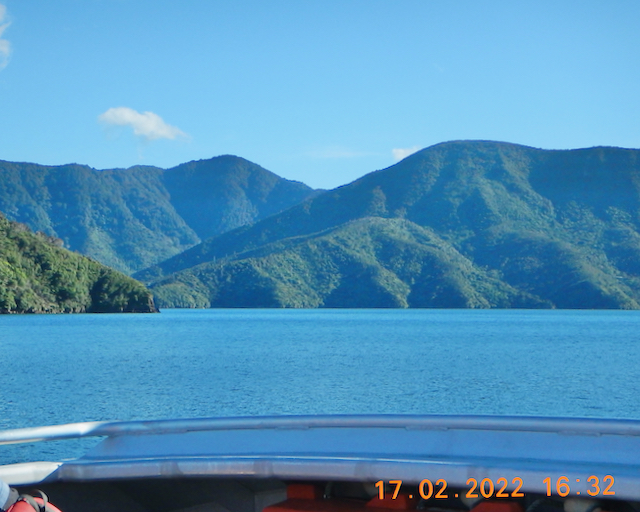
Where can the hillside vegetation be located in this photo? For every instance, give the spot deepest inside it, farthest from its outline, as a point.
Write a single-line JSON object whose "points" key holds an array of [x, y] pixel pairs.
{"points": [[369, 262], [460, 224], [38, 276], [132, 218]]}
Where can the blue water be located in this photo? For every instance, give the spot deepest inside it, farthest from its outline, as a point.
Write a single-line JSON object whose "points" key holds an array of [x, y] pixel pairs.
{"points": [[192, 363]]}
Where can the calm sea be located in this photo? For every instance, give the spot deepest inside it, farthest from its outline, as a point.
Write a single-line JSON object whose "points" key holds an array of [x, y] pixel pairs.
{"points": [[193, 363]]}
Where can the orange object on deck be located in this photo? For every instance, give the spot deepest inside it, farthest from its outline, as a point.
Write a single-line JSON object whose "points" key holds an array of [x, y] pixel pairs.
{"points": [[309, 498], [402, 502], [498, 506], [305, 492]]}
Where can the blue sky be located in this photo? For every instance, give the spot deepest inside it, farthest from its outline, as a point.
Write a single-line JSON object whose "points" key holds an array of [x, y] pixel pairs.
{"points": [[317, 91]]}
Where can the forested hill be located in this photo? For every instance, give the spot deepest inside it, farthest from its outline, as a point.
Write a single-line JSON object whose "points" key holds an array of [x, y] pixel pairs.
{"points": [[38, 276], [132, 218], [459, 224]]}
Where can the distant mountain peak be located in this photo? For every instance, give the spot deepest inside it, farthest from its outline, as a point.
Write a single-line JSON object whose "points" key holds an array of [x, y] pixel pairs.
{"points": [[525, 227], [132, 218]]}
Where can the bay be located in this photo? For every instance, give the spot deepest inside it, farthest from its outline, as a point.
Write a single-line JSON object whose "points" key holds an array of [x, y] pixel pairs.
{"points": [[200, 363]]}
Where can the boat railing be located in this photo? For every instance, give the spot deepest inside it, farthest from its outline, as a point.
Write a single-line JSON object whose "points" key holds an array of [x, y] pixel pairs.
{"points": [[532, 450]]}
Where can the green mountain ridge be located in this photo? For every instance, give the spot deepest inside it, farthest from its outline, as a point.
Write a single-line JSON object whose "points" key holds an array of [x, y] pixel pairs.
{"points": [[462, 224], [38, 276], [132, 218], [373, 262]]}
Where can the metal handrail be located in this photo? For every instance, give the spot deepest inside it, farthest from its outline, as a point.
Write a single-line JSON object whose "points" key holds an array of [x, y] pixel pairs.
{"points": [[576, 426]]}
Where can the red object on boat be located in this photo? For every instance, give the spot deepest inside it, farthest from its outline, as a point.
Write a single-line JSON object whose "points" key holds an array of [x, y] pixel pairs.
{"points": [[304, 492], [23, 506], [401, 502], [498, 506], [309, 498]]}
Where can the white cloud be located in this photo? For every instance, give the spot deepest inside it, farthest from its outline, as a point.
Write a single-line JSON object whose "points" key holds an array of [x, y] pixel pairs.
{"points": [[147, 125], [5, 45], [401, 153]]}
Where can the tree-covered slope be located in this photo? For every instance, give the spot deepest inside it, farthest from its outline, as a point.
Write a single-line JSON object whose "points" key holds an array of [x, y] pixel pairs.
{"points": [[556, 228], [370, 262], [218, 195], [132, 218], [121, 218], [38, 276]]}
